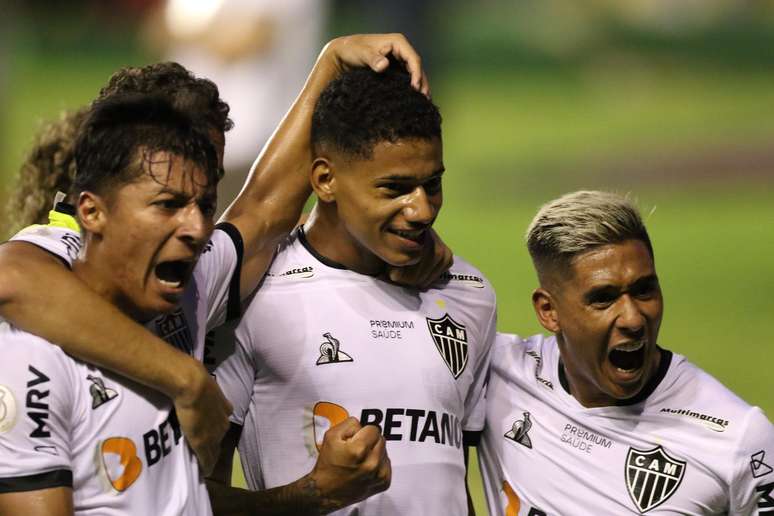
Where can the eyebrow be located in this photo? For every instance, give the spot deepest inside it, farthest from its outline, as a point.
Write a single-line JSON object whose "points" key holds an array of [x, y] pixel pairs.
{"points": [[609, 289], [435, 174]]}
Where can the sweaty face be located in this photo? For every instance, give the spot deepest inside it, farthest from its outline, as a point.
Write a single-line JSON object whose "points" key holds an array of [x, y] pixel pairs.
{"points": [[609, 312], [387, 204], [156, 228]]}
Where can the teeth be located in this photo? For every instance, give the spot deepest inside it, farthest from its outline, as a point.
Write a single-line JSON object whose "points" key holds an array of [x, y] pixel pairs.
{"points": [[631, 346], [409, 234], [173, 284]]}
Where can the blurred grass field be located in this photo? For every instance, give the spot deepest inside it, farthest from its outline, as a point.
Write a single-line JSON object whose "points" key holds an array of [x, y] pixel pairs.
{"points": [[515, 138]]}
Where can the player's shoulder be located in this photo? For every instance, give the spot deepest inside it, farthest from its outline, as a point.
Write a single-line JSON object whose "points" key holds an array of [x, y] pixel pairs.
{"points": [[694, 393], [64, 241], [292, 260], [513, 352], [464, 277], [21, 349]]}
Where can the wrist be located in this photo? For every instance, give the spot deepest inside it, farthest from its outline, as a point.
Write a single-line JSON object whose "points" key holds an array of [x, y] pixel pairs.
{"points": [[184, 378]]}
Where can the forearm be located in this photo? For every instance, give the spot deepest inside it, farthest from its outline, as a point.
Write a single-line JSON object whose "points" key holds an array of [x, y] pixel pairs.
{"points": [[298, 498], [81, 322]]}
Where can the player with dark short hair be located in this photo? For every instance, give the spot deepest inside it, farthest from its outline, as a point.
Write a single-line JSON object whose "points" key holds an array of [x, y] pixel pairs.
{"points": [[599, 418], [327, 340]]}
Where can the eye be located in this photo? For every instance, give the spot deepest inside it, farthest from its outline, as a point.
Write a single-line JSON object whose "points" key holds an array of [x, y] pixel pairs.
{"points": [[602, 298], [396, 189], [433, 186], [645, 290], [207, 208], [171, 203]]}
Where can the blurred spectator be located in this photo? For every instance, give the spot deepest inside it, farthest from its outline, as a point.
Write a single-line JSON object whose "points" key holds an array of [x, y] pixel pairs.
{"points": [[258, 52]]}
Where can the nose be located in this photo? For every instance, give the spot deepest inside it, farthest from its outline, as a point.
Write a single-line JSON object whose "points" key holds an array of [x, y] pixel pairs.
{"points": [[195, 226], [420, 209], [631, 320]]}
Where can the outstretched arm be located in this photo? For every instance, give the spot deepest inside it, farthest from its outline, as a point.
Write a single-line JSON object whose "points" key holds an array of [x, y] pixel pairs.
{"points": [[271, 201], [352, 465]]}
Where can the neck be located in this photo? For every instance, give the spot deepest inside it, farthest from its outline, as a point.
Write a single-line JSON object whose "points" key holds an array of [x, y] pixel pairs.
{"points": [[329, 237]]}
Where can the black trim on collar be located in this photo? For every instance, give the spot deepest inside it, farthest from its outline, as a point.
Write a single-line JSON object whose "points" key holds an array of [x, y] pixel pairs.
{"points": [[56, 478], [647, 390], [234, 303], [322, 259]]}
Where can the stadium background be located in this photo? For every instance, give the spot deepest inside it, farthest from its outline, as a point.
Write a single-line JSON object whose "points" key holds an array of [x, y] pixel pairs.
{"points": [[669, 101]]}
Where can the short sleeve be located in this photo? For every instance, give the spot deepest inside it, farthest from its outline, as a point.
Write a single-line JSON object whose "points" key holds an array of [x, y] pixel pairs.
{"points": [[218, 272], [752, 487], [235, 368], [62, 242], [36, 404], [475, 403]]}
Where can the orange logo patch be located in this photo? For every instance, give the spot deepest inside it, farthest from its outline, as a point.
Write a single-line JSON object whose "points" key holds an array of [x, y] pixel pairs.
{"points": [[514, 504], [326, 415], [119, 458]]}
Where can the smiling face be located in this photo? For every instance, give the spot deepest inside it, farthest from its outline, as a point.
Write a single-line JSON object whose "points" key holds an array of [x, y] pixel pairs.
{"points": [[379, 210], [606, 313], [144, 238]]}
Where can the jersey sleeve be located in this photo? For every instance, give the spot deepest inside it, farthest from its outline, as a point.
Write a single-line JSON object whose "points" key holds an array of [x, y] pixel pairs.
{"points": [[235, 368], [36, 406], [218, 272], [752, 486], [63, 242], [475, 403]]}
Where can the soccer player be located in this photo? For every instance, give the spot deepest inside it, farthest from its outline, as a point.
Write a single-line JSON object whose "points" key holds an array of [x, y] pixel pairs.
{"points": [[280, 156], [325, 338], [73, 434], [600, 419]]}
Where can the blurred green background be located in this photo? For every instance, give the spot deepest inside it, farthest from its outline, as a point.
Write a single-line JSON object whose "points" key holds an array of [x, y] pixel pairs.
{"points": [[670, 102]]}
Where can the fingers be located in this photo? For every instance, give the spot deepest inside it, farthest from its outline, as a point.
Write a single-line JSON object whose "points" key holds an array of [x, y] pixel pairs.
{"points": [[344, 430]]}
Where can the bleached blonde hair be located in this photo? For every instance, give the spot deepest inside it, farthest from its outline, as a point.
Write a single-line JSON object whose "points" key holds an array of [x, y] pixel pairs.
{"points": [[578, 222]]}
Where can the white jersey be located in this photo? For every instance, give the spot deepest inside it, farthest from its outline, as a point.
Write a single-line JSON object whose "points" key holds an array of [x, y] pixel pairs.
{"points": [[319, 343], [685, 445], [65, 423]]}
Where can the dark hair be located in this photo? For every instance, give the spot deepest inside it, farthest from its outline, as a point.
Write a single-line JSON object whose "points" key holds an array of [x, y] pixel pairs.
{"points": [[123, 129], [362, 108], [196, 96], [50, 165]]}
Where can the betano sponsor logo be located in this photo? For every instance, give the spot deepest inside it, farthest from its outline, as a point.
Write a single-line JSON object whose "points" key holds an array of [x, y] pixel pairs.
{"points": [[713, 423], [395, 424], [120, 463]]}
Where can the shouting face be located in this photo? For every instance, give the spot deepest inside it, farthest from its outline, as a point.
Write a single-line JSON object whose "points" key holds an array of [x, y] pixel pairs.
{"points": [[606, 313], [145, 236]]}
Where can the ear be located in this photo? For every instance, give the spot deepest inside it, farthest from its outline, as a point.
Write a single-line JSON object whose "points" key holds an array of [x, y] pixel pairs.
{"points": [[323, 179], [545, 309], [92, 212]]}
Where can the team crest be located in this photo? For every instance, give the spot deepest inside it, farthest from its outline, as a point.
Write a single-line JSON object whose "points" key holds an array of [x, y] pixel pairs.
{"points": [[519, 432], [330, 351], [652, 476], [173, 328], [451, 340]]}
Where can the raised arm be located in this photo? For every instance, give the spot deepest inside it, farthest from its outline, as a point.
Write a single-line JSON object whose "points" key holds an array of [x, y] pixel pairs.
{"points": [[39, 295], [271, 201]]}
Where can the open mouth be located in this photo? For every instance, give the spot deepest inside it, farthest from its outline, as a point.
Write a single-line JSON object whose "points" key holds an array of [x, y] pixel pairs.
{"points": [[174, 273], [628, 357]]}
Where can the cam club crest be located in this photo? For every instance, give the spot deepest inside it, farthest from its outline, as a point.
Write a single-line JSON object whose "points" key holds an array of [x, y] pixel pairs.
{"points": [[652, 476], [451, 341], [330, 351]]}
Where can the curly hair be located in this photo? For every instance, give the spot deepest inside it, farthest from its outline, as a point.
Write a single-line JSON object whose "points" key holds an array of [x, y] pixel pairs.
{"points": [[49, 166], [362, 108]]}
